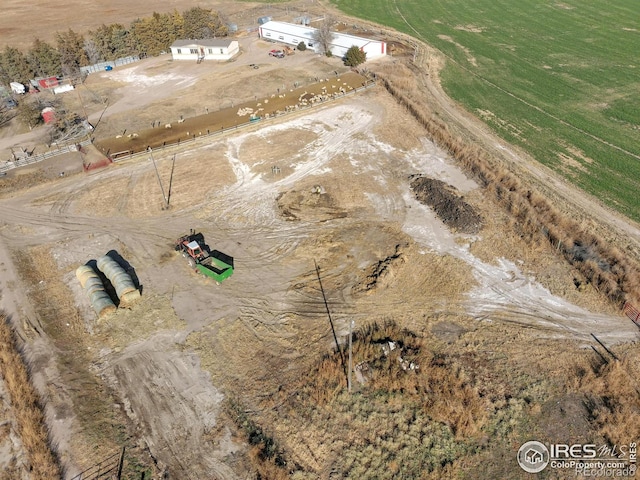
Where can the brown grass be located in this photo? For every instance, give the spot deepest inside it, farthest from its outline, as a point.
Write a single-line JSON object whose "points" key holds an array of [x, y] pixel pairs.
{"points": [[613, 274], [441, 388], [15, 182], [615, 393], [416, 422], [265, 456], [99, 427], [27, 409]]}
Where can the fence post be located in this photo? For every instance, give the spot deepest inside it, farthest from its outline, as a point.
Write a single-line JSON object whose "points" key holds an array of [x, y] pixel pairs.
{"points": [[121, 463]]}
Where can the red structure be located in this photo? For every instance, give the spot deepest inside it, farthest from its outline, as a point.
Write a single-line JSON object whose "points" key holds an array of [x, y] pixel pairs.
{"points": [[632, 312], [49, 115], [97, 164], [48, 82]]}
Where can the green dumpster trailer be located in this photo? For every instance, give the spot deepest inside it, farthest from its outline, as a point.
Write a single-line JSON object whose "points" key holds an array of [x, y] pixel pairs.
{"points": [[214, 264], [215, 268]]}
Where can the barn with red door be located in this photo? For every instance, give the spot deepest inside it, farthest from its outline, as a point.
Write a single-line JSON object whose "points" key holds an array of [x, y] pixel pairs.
{"points": [[293, 34]]}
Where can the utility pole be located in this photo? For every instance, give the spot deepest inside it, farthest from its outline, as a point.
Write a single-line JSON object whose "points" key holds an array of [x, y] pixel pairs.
{"points": [[326, 305], [166, 202], [605, 347], [350, 355], [121, 464], [173, 164]]}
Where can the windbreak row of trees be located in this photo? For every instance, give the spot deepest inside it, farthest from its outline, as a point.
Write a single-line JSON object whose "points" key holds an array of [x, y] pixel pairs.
{"points": [[71, 50]]}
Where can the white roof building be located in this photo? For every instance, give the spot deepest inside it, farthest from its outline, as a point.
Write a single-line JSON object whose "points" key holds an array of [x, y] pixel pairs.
{"points": [[205, 49], [292, 34]]}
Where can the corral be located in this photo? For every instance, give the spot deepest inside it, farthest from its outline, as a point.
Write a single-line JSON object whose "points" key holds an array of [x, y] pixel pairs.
{"points": [[285, 100], [322, 202]]}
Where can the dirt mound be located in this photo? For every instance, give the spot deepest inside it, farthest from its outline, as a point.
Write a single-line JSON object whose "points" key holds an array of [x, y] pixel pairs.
{"points": [[314, 204], [383, 272], [447, 203]]}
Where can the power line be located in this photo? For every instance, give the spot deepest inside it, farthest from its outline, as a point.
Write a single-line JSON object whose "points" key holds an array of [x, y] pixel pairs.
{"points": [[166, 201]]}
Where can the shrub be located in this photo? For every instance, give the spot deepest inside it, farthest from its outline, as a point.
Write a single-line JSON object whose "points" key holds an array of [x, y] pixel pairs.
{"points": [[354, 57], [302, 46]]}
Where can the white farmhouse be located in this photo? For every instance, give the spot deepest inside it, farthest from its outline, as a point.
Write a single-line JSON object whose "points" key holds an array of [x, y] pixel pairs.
{"points": [[205, 49], [291, 34]]}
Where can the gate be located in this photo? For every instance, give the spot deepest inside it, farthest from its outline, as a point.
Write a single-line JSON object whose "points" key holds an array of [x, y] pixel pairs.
{"points": [[632, 312], [108, 469]]}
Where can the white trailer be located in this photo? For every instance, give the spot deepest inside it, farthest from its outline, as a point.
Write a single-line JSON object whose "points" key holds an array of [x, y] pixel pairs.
{"points": [[17, 87]]}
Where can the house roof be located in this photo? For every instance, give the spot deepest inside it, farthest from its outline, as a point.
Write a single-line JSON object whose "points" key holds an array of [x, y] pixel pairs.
{"points": [[290, 28], [204, 42]]}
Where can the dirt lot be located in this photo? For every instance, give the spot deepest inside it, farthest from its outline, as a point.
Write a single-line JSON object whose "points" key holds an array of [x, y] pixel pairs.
{"points": [[329, 186]]}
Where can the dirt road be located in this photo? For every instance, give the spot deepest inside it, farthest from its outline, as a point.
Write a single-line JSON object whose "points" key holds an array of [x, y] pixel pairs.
{"points": [[574, 202]]}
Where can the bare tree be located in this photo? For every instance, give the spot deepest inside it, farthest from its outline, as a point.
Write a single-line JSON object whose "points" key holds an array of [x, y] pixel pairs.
{"points": [[5, 113], [92, 51], [323, 36]]}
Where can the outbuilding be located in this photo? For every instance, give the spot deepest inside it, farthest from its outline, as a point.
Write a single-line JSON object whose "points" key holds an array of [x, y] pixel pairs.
{"points": [[292, 34], [205, 49], [49, 115], [49, 82], [17, 87]]}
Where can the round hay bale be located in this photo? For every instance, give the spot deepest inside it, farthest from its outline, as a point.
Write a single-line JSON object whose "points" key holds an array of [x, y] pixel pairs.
{"points": [[94, 289], [120, 279], [130, 298], [106, 310], [83, 273]]}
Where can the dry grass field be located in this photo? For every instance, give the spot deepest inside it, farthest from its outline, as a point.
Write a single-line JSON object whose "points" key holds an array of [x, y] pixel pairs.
{"points": [[468, 339], [21, 24]]}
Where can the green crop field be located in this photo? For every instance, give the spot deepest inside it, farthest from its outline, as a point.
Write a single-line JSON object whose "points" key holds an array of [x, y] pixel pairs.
{"points": [[559, 79]]}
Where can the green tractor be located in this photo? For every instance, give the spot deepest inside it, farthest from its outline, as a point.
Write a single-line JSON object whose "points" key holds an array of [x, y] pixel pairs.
{"points": [[213, 264]]}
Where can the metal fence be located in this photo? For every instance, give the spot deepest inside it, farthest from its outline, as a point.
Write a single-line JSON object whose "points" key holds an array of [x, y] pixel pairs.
{"points": [[632, 312], [120, 156], [100, 67], [9, 165], [127, 155]]}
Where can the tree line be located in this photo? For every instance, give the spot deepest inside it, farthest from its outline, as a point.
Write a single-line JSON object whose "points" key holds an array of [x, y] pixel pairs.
{"points": [[70, 50]]}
